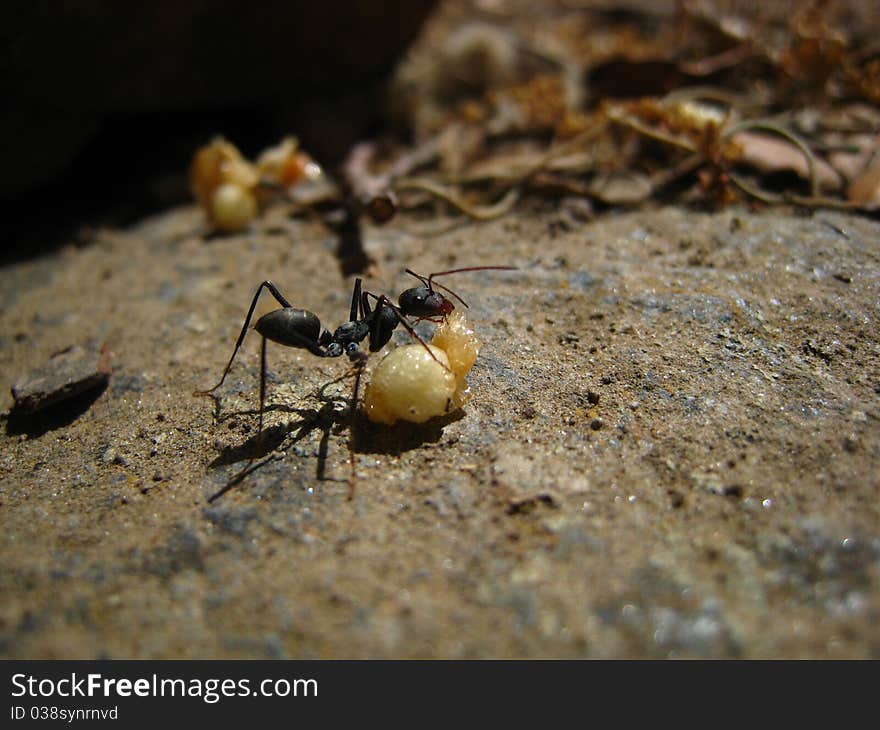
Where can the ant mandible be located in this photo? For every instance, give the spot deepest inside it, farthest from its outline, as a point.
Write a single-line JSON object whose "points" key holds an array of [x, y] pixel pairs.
{"points": [[301, 328]]}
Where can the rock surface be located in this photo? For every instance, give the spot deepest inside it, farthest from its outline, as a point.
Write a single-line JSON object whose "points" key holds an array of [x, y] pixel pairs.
{"points": [[673, 448]]}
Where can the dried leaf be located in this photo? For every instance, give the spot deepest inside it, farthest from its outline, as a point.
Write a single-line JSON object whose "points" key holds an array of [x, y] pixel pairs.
{"points": [[774, 154], [852, 153], [865, 189]]}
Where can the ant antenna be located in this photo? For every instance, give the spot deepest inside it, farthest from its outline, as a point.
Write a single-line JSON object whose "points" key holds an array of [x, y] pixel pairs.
{"points": [[430, 283], [383, 300]]}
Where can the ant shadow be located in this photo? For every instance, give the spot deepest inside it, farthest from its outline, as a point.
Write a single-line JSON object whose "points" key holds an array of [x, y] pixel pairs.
{"points": [[331, 418], [264, 445]]}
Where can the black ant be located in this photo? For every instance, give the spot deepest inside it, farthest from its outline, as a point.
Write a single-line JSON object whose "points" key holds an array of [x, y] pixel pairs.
{"points": [[301, 328], [423, 302]]}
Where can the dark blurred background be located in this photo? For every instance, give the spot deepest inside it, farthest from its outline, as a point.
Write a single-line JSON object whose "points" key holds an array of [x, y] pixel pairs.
{"points": [[105, 102]]}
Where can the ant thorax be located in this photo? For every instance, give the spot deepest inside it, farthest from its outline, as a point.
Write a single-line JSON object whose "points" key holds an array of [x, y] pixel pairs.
{"points": [[349, 332]]}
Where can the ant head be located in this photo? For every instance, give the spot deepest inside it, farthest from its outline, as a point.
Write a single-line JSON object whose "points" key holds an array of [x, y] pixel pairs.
{"points": [[422, 301]]}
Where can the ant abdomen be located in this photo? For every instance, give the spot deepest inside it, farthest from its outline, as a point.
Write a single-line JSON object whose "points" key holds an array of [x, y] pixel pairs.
{"points": [[288, 326]]}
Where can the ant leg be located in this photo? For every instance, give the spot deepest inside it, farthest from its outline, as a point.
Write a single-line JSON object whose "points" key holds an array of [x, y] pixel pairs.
{"points": [[247, 320], [352, 420], [365, 304], [382, 302], [262, 381], [355, 301]]}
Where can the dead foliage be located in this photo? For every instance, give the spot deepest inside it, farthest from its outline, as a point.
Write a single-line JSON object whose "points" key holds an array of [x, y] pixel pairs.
{"points": [[770, 104], [712, 103]]}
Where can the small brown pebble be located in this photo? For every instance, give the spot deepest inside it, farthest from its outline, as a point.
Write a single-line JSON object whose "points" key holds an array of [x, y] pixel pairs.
{"points": [[596, 424], [676, 499], [592, 397], [68, 373]]}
